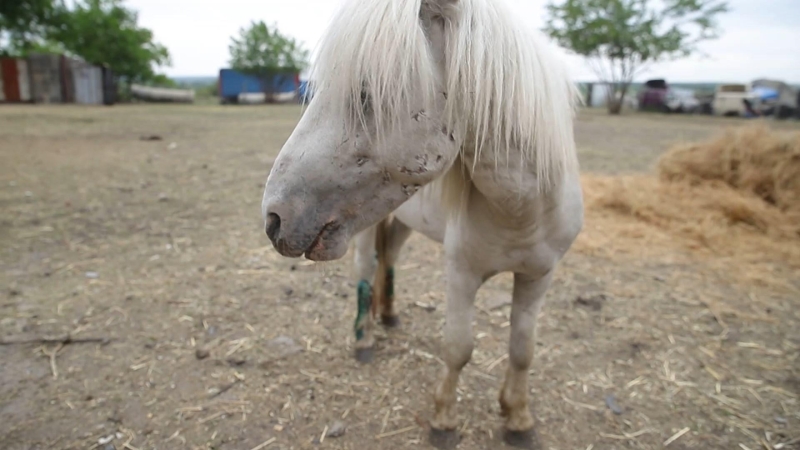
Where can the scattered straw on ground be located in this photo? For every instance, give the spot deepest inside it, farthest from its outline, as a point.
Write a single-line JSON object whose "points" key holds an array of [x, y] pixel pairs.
{"points": [[735, 198], [195, 333]]}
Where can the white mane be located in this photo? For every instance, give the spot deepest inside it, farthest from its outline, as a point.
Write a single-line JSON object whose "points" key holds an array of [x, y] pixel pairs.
{"points": [[504, 89]]}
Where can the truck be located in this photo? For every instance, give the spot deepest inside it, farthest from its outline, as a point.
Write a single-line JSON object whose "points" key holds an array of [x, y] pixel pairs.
{"points": [[732, 100]]}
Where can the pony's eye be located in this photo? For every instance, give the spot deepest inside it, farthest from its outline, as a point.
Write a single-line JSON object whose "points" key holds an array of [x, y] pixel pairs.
{"points": [[364, 100]]}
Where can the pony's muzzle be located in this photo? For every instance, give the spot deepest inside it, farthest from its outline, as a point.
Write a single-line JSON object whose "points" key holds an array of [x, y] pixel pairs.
{"points": [[293, 232]]}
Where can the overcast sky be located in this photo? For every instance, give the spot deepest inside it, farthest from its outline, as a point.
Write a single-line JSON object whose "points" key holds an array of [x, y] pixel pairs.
{"points": [[760, 37]]}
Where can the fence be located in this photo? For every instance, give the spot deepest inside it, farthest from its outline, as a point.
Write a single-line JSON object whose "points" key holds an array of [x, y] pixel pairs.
{"points": [[52, 78], [14, 80]]}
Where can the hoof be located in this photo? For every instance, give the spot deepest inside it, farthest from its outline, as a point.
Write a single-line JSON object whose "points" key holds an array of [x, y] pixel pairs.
{"points": [[444, 439], [365, 355], [521, 439], [390, 321]]}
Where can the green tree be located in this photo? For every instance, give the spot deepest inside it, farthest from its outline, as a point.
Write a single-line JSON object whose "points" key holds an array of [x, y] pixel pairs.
{"points": [[23, 25], [621, 38], [105, 32], [265, 52]]}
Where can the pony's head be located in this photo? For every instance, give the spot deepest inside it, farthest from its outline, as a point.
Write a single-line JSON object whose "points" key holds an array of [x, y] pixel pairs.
{"points": [[373, 133], [398, 86]]}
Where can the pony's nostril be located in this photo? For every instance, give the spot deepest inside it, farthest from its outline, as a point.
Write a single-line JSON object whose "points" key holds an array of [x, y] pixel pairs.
{"points": [[273, 226]]}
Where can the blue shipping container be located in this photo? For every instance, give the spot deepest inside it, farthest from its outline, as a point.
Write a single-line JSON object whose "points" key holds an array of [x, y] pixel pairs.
{"points": [[231, 83]]}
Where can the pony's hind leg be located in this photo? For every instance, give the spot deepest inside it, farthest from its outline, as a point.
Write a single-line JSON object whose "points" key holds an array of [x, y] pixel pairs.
{"points": [[526, 303], [388, 242], [365, 270]]}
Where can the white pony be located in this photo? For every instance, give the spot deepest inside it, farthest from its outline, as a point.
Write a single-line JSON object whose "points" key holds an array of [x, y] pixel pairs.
{"points": [[445, 117]]}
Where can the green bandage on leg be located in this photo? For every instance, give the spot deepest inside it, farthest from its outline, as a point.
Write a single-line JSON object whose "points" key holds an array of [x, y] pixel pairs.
{"points": [[364, 294]]}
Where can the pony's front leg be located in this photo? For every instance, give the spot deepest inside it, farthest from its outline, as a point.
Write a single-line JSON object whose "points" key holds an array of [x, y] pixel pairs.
{"points": [[365, 270], [526, 303], [457, 345]]}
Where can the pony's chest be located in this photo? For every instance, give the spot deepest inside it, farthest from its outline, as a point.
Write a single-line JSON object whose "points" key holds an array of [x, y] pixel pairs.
{"points": [[424, 213]]}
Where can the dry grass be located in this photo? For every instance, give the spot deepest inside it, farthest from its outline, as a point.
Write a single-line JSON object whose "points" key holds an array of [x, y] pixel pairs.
{"points": [[734, 198]]}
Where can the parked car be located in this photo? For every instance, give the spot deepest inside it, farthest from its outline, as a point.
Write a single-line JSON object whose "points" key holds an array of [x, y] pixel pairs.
{"points": [[657, 95], [776, 98], [652, 95], [681, 101], [732, 100]]}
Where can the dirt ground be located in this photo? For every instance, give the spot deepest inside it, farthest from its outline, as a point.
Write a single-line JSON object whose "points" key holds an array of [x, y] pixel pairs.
{"points": [[197, 335]]}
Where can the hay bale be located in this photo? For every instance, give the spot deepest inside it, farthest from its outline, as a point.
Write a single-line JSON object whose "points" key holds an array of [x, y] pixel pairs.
{"points": [[642, 216], [705, 211], [753, 159], [733, 201]]}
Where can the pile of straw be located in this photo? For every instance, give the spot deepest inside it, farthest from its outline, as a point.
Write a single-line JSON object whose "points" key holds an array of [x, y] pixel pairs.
{"points": [[736, 196], [753, 159]]}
